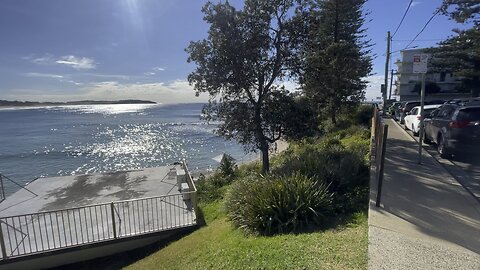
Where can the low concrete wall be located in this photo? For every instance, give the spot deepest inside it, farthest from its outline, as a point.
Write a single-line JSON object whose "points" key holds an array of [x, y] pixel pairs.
{"points": [[84, 253]]}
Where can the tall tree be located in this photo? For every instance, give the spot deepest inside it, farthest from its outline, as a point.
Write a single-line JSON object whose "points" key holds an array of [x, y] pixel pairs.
{"points": [[336, 54], [462, 10], [460, 53], [240, 65]]}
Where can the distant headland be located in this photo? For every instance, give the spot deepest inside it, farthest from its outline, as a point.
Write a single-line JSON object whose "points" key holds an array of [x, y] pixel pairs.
{"points": [[7, 103]]}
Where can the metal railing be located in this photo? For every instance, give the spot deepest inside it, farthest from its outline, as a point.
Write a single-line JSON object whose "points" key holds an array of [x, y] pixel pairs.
{"points": [[3, 195], [27, 234], [379, 145]]}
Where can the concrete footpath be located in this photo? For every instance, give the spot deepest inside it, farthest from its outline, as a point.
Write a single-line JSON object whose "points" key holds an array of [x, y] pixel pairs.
{"points": [[427, 220]]}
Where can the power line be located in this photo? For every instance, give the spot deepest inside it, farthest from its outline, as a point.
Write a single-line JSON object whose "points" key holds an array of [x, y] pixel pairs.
{"points": [[425, 26], [403, 18], [435, 39]]}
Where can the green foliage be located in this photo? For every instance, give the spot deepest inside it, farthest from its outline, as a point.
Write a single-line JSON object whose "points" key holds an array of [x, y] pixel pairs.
{"points": [[339, 160], [460, 53], [301, 121], [271, 204], [212, 188], [239, 65], [358, 117], [364, 115], [335, 56], [227, 166], [462, 10]]}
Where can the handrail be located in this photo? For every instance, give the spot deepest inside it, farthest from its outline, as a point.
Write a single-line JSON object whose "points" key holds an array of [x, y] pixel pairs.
{"points": [[6, 177], [44, 231], [191, 186]]}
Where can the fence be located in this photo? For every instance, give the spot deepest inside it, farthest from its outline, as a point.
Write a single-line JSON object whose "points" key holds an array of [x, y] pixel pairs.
{"points": [[3, 180], [52, 230], [379, 145]]}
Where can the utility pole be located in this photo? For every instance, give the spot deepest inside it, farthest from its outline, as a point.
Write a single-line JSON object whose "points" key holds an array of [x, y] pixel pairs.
{"points": [[391, 83], [386, 74]]}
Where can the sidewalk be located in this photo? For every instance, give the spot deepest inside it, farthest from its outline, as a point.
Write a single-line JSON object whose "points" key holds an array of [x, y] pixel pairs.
{"points": [[427, 220]]}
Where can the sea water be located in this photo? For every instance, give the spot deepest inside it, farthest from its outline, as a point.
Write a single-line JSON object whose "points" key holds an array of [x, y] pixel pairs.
{"points": [[84, 139]]}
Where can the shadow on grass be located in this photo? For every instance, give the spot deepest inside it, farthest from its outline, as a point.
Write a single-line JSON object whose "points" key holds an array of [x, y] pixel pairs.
{"points": [[123, 259]]}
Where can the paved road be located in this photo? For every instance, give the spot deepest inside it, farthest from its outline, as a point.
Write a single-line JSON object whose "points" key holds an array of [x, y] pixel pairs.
{"points": [[466, 169]]}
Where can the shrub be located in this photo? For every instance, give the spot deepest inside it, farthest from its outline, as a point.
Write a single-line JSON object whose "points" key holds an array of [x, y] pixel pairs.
{"points": [[270, 205], [339, 161], [363, 115], [227, 166], [212, 188]]}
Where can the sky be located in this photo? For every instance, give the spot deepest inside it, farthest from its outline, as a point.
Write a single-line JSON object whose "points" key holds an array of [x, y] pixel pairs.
{"points": [[60, 50]]}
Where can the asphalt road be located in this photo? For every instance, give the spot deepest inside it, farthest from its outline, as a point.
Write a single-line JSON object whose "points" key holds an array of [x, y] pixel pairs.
{"points": [[465, 169]]}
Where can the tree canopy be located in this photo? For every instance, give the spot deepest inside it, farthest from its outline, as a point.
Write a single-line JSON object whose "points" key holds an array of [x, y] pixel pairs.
{"points": [[336, 54], [240, 65], [461, 53]]}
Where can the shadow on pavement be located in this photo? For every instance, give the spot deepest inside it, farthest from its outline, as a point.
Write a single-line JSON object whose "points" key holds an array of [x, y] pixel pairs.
{"points": [[428, 197]]}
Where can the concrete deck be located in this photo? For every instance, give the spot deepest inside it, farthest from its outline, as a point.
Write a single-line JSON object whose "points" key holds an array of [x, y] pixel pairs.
{"points": [[80, 190], [76, 210], [427, 220]]}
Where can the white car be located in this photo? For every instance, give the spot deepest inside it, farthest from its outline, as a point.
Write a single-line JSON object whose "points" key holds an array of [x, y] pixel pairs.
{"points": [[412, 120]]}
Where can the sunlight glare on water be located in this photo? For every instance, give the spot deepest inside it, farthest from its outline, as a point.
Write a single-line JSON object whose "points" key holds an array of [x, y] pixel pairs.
{"points": [[68, 140]]}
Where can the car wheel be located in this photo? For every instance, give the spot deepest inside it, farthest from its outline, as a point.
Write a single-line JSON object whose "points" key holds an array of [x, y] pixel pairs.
{"points": [[442, 150], [426, 139], [415, 133]]}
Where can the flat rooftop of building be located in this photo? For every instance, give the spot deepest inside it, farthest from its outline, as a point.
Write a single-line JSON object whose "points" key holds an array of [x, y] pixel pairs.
{"points": [[53, 193]]}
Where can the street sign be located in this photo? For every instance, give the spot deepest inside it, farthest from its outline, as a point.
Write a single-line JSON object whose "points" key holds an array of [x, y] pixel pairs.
{"points": [[420, 63]]}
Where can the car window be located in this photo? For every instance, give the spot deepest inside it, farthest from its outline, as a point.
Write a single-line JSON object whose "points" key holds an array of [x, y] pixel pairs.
{"points": [[427, 112], [413, 111], [469, 114], [445, 112]]}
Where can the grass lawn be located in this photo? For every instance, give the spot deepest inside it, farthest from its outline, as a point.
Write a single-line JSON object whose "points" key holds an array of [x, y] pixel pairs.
{"points": [[220, 246]]}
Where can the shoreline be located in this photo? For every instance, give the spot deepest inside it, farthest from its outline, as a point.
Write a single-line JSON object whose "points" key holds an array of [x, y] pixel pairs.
{"points": [[281, 146]]}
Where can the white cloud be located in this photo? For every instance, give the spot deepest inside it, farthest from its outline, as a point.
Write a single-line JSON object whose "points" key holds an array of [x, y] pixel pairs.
{"points": [[178, 91], [47, 59], [43, 75], [77, 62], [111, 76], [68, 60], [154, 71]]}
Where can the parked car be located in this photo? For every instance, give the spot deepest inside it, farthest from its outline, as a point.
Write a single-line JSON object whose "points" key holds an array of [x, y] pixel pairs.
{"points": [[398, 111], [462, 101], [409, 106], [406, 108], [412, 120], [391, 109], [454, 129]]}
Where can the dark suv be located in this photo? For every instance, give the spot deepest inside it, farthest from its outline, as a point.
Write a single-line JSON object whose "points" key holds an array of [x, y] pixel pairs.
{"points": [[454, 129]]}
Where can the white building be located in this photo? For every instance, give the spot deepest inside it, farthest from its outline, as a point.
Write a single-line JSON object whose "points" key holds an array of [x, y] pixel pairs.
{"points": [[406, 80]]}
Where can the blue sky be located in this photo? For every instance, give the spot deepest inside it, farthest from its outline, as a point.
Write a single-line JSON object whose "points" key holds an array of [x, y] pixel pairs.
{"points": [[116, 49]]}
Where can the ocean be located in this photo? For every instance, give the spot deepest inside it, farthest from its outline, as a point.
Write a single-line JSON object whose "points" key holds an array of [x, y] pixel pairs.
{"points": [[84, 139]]}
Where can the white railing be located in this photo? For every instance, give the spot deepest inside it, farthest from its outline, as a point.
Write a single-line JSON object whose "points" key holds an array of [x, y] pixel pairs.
{"points": [[27, 234]]}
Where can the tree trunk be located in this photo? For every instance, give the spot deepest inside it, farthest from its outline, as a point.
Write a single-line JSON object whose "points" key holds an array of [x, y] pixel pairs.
{"points": [[262, 141], [265, 158], [333, 115]]}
